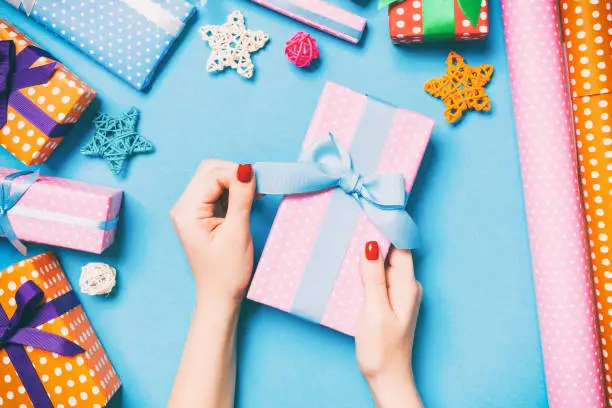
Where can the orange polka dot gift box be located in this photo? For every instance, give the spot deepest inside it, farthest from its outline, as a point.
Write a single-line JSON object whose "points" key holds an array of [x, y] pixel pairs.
{"points": [[417, 21], [50, 355], [40, 99], [57, 211]]}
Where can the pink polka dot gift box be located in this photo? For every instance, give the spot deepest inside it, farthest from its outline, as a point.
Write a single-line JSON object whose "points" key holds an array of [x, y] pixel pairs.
{"points": [[57, 211], [40, 99], [417, 21], [310, 264], [50, 355]]}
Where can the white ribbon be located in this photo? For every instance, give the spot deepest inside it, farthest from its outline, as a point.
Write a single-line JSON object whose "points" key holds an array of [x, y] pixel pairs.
{"points": [[155, 13], [28, 5], [45, 215]]}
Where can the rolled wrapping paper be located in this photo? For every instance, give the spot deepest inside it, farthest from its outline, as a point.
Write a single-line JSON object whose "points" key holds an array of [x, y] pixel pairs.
{"points": [[562, 273], [587, 25]]}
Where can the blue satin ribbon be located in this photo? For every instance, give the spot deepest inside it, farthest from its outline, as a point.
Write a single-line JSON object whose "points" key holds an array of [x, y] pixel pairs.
{"points": [[10, 194], [326, 165]]}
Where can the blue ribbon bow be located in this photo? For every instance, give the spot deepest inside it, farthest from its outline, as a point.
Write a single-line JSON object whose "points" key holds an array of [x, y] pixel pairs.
{"points": [[10, 194], [327, 164]]}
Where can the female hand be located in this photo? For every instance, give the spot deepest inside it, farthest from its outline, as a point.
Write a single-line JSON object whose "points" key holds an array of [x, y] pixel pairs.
{"points": [[212, 221], [385, 332]]}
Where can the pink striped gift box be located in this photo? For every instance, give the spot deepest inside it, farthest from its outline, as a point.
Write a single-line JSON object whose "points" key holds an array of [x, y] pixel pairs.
{"points": [[333, 296], [65, 213], [320, 15]]}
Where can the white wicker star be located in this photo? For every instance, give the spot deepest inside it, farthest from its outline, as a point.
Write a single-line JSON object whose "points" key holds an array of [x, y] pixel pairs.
{"points": [[232, 44]]}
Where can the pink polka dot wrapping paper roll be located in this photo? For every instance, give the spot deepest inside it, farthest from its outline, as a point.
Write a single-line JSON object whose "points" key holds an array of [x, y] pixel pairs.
{"points": [[66, 213], [556, 226], [87, 379], [301, 222], [587, 28]]}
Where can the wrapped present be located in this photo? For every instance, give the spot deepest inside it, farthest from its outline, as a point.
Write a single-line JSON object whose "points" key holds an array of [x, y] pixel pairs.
{"points": [[51, 356], [56, 211], [131, 37], [364, 155], [40, 99], [416, 21], [321, 15]]}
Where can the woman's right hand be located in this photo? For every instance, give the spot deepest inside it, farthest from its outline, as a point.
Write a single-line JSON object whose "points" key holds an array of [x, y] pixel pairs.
{"points": [[212, 221], [385, 333]]}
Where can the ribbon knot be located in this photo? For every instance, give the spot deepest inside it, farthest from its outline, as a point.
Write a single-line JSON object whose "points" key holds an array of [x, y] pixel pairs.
{"points": [[31, 312], [16, 74], [6, 333], [20, 330], [327, 164], [352, 184]]}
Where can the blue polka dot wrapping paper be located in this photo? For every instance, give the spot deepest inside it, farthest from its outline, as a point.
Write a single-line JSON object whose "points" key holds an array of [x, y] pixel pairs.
{"points": [[130, 38]]}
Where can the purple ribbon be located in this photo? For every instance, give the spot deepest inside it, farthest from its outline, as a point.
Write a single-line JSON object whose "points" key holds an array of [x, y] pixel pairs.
{"points": [[16, 74], [20, 330]]}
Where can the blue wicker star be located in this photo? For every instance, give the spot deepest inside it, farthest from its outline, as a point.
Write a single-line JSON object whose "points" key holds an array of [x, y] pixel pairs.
{"points": [[116, 139]]}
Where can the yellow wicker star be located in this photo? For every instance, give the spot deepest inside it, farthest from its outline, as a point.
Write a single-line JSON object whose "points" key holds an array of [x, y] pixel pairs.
{"points": [[462, 87]]}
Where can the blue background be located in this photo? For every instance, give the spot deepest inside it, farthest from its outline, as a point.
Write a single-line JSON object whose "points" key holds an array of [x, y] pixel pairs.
{"points": [[477, 342]]}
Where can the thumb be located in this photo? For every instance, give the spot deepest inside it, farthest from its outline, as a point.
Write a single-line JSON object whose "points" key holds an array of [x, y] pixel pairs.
{"points": [[241, 194], [374, 278]]}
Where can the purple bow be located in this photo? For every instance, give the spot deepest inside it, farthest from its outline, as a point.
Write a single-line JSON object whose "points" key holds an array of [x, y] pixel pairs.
{"points": [[16, 74], [20, 330]]}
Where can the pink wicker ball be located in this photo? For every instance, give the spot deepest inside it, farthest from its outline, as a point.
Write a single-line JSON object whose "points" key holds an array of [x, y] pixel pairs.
{"points": [[301, 49]]}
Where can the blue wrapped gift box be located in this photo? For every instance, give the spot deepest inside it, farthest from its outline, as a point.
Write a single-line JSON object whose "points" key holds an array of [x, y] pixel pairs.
{"points": [[127, 37]]}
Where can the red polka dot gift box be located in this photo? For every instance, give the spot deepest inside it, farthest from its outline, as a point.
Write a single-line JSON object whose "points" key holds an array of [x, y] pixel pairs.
{"points": [[40, 99], [50, 356], [57, 211], [417, 21]]}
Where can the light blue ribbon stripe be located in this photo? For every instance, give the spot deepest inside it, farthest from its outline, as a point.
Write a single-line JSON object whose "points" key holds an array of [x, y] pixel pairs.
{"points": [[108, 225], [341, 218], [317, 18]]}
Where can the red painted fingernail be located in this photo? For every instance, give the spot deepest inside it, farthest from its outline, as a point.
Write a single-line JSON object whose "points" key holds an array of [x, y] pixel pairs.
{"points": [[371, 250], [245, 173]]}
